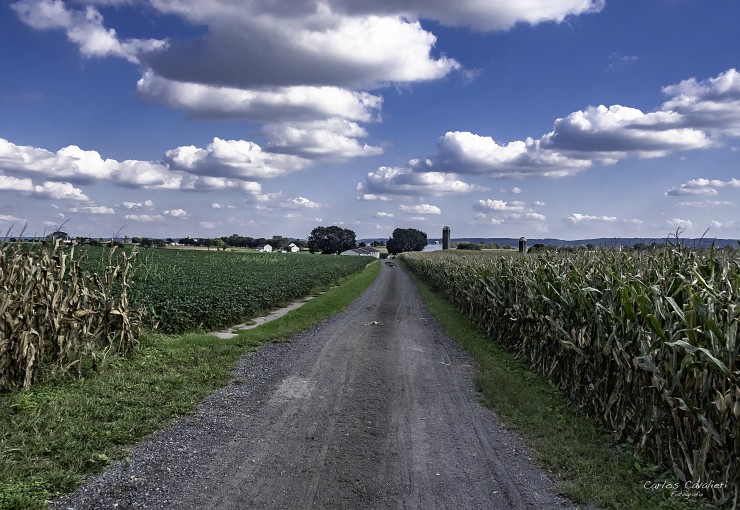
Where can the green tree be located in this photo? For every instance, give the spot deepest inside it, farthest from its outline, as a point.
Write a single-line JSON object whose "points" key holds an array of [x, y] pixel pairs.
{"points": [[58, 234], [537, 248], [406, 239], [237, 241], [467, 246], [219, 244], [331, 239], [279, 242]]}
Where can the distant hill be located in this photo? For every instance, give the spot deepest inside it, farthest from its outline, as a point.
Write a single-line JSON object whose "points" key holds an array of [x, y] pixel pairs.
{"points": [[598, 242]]}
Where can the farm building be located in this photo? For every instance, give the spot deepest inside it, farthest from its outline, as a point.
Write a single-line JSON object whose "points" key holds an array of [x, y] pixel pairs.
{"points": [[264, 247], [365, 251], [293, 248]]}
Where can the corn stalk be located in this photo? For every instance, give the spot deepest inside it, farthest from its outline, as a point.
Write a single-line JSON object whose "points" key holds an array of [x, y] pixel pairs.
{"points": [[646, 342], [53, 315]]}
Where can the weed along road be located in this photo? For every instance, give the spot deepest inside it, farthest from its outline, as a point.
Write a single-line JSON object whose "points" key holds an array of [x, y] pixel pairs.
{"points": [[374, 408]]}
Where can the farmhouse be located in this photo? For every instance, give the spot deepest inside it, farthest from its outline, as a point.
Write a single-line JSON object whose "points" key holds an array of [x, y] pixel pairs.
{"points": [[293, 248], [264, 248], [365, 251]]}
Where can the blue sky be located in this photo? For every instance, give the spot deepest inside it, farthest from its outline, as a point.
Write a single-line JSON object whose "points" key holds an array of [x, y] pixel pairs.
{"points": [[570, 118]]}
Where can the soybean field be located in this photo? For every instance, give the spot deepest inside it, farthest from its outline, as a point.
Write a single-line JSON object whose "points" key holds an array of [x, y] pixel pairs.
{"points": [[184, 290], [647, 342]]}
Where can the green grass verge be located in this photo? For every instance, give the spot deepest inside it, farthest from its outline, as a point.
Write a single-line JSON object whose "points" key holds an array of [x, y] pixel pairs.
{"points": [[592, 470], [54, 434]]}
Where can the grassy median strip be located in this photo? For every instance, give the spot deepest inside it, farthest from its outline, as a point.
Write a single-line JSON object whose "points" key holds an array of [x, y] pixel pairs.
{"points": [[52, 435], [592, 469]]}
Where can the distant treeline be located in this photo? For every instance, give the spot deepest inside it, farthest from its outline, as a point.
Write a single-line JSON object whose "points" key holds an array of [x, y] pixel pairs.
{"points": [[234, 240], [602, 242], [237, 241]]}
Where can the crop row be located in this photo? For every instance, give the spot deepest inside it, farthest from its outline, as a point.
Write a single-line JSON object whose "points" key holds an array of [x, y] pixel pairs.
{"points": [[185, 290], [647, 342]]}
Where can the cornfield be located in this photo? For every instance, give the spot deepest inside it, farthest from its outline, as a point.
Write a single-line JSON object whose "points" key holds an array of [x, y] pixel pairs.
{"points": [[53, 316], [646, 342]]}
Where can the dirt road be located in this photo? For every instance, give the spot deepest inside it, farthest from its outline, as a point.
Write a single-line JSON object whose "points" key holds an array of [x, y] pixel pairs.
{"points": [[374, 408]]}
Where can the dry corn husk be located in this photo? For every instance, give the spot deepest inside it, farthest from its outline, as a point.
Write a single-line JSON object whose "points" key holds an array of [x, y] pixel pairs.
{"points": [[52, 315]]}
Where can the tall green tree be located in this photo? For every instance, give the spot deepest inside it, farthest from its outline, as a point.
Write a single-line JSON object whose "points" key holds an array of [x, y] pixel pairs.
{"points": [[58, 234], [331, 239], [279, 242], [406, 239]]}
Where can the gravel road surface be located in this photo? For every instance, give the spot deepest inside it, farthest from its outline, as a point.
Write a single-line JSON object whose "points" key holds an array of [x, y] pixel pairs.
{"points": [[373, 408]]}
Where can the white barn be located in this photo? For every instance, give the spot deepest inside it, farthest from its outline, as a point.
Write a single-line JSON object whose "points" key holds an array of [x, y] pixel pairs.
{"points": [[264, 248], [365, 251]]}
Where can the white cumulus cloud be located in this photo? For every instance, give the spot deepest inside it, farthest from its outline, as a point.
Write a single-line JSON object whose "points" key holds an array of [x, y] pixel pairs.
{"points": [[176, 213], [302, 203], [300, 65], [465, 152], [333, 138], [577, 218], [93, 209], [526, 216], [9, 183], [679, 223], [420, 209], [699, 115], [60, 191], [706, 203], [371, 197], [83, 28], [489, 205], [702, 187], [144, 217], [137, 205], [620, 131], [76, 165], [10, 218], [499, 15], [237, 159], [712, 104], [309, 44], [290, 103], [404, 181]]}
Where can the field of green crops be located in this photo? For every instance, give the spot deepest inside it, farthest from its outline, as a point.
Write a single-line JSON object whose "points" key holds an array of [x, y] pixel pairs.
{"points": [[61, 307], [646, 342], [184, 290]]}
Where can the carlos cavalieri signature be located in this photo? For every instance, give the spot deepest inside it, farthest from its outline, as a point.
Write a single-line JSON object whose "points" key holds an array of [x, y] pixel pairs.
{"points": [[687, 489]]}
